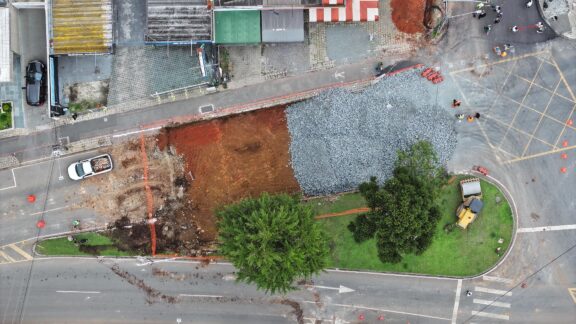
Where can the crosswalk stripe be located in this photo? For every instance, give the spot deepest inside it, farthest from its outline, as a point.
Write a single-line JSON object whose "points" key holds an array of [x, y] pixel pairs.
{"points": [[21, 252], [491, 303], [6, 256], [497, 279], [493, 291], [491, 315]]}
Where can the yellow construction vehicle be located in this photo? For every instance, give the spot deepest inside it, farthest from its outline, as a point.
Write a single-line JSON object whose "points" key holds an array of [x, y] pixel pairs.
{"points": [[471, 202]]}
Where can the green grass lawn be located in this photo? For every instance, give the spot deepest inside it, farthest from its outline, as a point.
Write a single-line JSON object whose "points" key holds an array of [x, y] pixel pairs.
{"points": [[96, 241], [458, 253]]}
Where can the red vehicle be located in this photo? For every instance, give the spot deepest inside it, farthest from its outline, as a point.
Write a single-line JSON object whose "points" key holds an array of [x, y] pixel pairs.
{"points": [[433, 75], [437, 79], [480, 169]]}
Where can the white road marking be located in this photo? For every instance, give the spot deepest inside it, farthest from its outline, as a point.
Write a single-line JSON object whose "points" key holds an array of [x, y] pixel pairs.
{"points": [[76, 292], [490, 315], [456, 301], [14, 180], [136, 132], [380, 310], [497, 279], [493, 291], [546, 228], [491, 303], [49, 210], [21, 252], [340, 289], [205, 296]]}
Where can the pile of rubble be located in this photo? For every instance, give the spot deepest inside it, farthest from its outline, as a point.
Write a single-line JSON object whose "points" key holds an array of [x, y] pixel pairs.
{"points": [[340, 139]]}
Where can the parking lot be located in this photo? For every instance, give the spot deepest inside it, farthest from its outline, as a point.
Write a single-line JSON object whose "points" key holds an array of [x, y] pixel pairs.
{"points": [[526, 105]]}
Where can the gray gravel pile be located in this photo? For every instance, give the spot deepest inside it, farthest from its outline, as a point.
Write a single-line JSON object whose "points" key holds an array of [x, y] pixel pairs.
{"points": [[340, 139]]}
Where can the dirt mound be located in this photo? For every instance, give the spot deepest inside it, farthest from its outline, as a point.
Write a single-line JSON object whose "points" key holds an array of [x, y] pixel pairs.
{"points": [[230, 159], [408, 15]]}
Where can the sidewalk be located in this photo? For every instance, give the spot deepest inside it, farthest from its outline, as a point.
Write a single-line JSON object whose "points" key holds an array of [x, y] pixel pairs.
{"points": [[560, 15]]}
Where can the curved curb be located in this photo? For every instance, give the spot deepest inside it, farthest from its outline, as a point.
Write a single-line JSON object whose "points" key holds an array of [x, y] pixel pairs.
{"points": [[59, 235], [541, 13]]}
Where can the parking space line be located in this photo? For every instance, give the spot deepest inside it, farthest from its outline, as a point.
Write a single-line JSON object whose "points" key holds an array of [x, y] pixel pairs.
{"points": [[49, 210], [541, 118], [493, 291], [14, 180], [564, 127], [518, 130], [21, 252], [564, 79], [6, 256], [541, 154], [491, 315], [516, 58], [523, 99]]}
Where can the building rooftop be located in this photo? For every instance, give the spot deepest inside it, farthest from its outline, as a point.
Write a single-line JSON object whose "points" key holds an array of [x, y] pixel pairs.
{"points": [[81, 27], [237, 26], [178, 21], [5, 53]]}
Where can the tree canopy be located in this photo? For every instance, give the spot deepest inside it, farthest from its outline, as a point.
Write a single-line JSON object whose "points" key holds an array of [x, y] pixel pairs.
{"points": [[272, 241], [403, 212]]}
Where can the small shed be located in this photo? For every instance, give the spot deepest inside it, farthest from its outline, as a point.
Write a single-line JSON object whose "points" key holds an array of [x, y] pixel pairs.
{"points": [[237, 27], [282, 26]]}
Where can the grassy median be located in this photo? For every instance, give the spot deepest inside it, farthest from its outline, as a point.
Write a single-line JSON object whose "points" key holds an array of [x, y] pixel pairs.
{"points": [[94, 244], [453, 253]]}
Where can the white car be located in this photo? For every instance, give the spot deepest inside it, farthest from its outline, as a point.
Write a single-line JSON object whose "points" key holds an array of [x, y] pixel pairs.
{"points": [[90, 167]]}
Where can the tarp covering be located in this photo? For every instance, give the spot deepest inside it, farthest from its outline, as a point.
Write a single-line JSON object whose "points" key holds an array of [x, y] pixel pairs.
{"points": [[237, 27]]}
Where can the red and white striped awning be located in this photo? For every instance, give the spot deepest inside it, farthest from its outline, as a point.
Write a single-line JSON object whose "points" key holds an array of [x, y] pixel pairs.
{"points": [[355, 10]]}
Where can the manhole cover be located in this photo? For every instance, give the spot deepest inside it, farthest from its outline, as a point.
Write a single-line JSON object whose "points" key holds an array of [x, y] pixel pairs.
{"points": [[206, 109]]}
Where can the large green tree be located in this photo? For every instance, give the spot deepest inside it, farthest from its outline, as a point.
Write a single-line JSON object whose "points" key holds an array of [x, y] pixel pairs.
{"points": [[272, 241], [403, 212]]}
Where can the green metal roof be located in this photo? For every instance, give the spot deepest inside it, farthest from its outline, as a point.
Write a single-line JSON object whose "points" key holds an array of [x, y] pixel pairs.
{"points": [[237, 27]]}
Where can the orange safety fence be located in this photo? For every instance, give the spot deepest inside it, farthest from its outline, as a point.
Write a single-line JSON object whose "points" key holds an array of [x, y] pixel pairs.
{"points": [[149, 198]]}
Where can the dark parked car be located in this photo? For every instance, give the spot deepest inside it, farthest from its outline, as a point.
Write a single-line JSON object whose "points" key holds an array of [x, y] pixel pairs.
{"points": [[35, 83]]}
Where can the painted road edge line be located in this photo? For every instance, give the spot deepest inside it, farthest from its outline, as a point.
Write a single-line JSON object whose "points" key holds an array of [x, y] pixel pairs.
{"points": [[20, 251], [76, 292], [136, 132], [48, 210], [456, 301], [546, 228]]}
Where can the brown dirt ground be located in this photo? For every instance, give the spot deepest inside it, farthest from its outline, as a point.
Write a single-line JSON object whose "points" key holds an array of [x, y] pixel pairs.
{"points": [[408, 15], [230, 159]]}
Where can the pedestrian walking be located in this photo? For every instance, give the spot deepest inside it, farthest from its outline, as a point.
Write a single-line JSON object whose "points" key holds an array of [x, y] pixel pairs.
{"points": [[496, 20], [539, 27], [477, 115], [514, 29], [456, 103], [482, 14], [487, 29], [529, 3], [74, 116], [460, 117], [468, 293]]}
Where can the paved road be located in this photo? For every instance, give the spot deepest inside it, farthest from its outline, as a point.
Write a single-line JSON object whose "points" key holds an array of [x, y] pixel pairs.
{"points": [[39, 144]]}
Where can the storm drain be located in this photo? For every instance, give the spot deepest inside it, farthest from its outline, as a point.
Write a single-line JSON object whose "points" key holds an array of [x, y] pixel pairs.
{"points": [[206, 109]]}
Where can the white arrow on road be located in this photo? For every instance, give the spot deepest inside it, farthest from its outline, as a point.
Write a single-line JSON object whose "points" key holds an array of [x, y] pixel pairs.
{"points": [[340, 289], [339, 75]]}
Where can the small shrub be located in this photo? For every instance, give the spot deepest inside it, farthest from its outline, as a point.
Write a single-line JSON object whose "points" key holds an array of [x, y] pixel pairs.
{"points": [[448, 228], [6, 107]]}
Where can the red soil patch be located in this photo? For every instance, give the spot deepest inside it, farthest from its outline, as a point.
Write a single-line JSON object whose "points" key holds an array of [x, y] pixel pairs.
{"points": [[233, 158], [408, 15]]}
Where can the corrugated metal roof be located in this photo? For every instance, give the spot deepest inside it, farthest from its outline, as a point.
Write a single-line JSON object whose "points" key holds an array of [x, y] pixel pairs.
{"points": [[5, 53], [471, 188], [178, 21], [81, 26], [282, 26]]}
